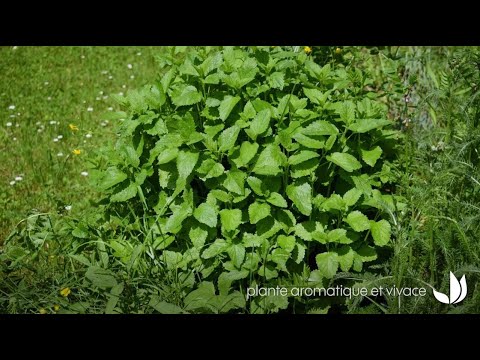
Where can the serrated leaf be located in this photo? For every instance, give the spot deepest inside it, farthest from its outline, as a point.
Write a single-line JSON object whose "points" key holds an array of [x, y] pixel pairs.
{"points": [[320, 128], [227, 138], [301, 195], [270, 161], [186, 162], [206, 214], [127, 193], [276, 80], [381, 232], [167, 155], [277, 200], [280, 257], [346, 161], [103, 278], [371, 156], [113, 176], [302, 156], [316, 96], [308, 141], [225, 281], [299, 252], [260, 123], [364, 125], [177, 218], [258, 211], [235, 181], [286, 242], [184, 95], [346, 256], [247, 152], [351, 196], [216, 248], [227, 105], [327, 264], [358, 221], [367, 253], [346, 110], [198, 236], [338, 236], [237, 254], [231, 219]]}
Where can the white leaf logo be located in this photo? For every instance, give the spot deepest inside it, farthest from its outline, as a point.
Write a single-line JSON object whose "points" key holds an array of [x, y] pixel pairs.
{"points": [[458, 291]]}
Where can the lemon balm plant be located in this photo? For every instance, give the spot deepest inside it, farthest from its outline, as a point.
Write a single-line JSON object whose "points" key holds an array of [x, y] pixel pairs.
{"points": [[248, 166]]}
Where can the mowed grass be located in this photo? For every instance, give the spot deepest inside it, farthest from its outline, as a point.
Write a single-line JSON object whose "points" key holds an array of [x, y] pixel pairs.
{"points": [[42, 91]]}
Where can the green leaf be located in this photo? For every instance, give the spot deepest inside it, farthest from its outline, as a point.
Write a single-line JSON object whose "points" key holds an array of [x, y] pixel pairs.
{"points": [[235, 181], [320, 128], [199, 298], [346, 161], [216, 248], [198, 235], [258, 211], [358, 221], [167, 155], [113, 298], [227, 138], [113, 176], [334, 202], [277, 200], [280, 257], [346, 256], [371, 156], [286, 242], [177, 218], [227, 105], [301, 195], [270, 161], [276, 80], [302, 156], [327, 264], [127, 193], [364, 125], [206, 214], [101, 277], [231, 219], [338, 236], [226, 278], [351, 196], [316, 96], [346, 110], [184, 95], [268, 272], [237, 254], [381, 232], [247, 152], [163, 307], [186, 162], [260, 123], [308, 142]]}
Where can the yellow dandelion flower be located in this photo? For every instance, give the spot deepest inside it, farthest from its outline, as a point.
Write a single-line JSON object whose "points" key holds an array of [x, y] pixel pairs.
{"points": [[65, 292], [56, 307], [43, 311], [307, 49], [77, 152], [338, 51], [73, 127]]}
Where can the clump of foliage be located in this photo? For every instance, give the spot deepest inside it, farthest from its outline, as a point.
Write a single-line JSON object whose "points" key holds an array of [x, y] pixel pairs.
{"points": [[245, 166]]}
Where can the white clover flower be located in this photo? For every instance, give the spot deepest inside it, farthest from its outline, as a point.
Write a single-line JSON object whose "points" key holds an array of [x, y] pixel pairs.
{"points": [[68, 207], [110, 77], [60, 154], [88, 136], [38, 123], [84, 173], [132, 76], [98, 98], [15, 48], [120, 93], [9, 124], [39, 130], [100, 93], [14, 139], [103, 123], [105, 97], [139, 53], [12, 182], [17, 125], [11, 107], [49, 98], [110, 108], [129, 66], [90, 109], [18, 178], [124, 86], [12, 116], [46, 83], [60, 137], [53, 122], [104, 72], [55, 140], [83, 56]]}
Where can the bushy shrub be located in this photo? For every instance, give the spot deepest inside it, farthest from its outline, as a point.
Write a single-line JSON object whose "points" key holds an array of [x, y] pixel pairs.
{"points": [[246, 166]]}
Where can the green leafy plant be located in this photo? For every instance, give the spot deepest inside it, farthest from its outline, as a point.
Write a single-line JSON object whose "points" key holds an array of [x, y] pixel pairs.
{"points": [[246, 166]]}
